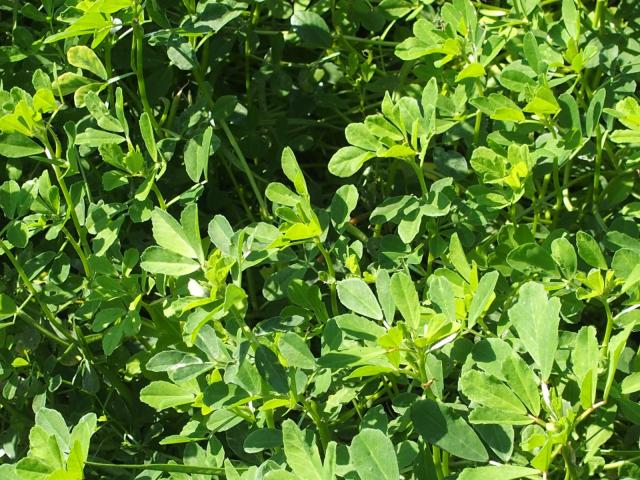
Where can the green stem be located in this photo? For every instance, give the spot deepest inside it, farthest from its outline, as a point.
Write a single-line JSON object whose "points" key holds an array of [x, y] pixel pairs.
{"points": [[52, 336], [477, 128], [557, 187], [245, 167], [71, 211], [598, 164], [621, 463], [437, 463], [597, 16], [332, 276], [356, 232], [369, 41], [158, 194], [137, 62], [312, 408], [420, 175], [78, 249], [161, 467], [609, 328], [57, 324]]}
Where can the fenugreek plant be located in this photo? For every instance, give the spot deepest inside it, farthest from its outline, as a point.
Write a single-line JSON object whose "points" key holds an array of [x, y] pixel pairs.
{"points": [[318, 240]]}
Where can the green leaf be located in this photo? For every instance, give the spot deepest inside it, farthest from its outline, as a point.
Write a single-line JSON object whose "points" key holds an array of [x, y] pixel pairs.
{"points": [[197, 152], [356, 295], [502, 472], [170, 235], [405, 298], [293, 171], [569, 116], [82, 432], [571, 18], [517, 77], [385, 296], [614, 352], [160, 260], [585, 364], [180, 366], [52, 422], [536, 320], [483, 297], [565, 256], [489, 391], [190, 224], [33, 468], [17, 145], [631, 383], [594, 111], [458, 258], [625, 136], [162, 395], [348, 160], [220, 233], [263, 439], [358, 135], [589, 251], [343, 203], [303, 459], [472, 70], [441, 293], [521, 379], [373, 456], [500, 438], [296, 352], [544, 103], [271, 369], [441, 425], [494, 416], [86, 59], [100, 113], [7, 306], [532, 52], [311, 28], [146, 129], [95, 138], [531, 258], [281, 194]]}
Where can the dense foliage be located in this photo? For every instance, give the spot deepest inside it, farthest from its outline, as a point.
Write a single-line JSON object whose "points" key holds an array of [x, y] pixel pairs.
{"points": [[360, 239]]}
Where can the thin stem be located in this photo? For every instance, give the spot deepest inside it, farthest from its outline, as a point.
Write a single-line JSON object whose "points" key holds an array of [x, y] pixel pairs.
{"points": [[245, 167], [609, 328], [158, 194], [161, 467], [312, 409], [32, 290], [477, 128], [332, 275], [78, 249], [598, 164], [437, 463], [420, 175], [597, 16], [137, 63], [52, 336], [71, 209]]}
